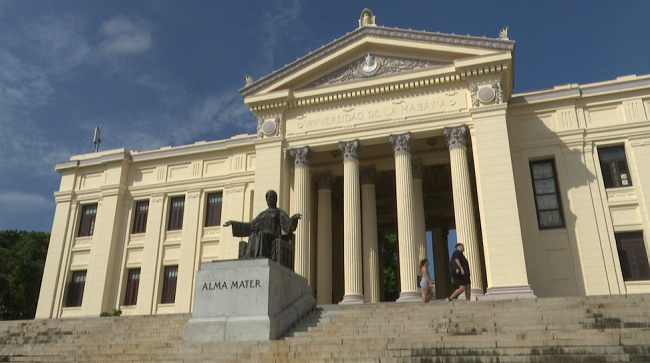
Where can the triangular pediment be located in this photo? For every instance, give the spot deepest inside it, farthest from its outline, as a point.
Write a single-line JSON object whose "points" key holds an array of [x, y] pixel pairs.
{"points": [[373, 66], [394, 52]]}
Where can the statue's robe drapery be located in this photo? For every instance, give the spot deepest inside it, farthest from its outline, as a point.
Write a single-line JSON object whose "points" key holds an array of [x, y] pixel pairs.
{"points": [[263, 232]]}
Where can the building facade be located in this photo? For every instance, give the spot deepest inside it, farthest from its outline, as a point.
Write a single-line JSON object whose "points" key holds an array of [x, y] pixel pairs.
{"points": [[383, 131]]}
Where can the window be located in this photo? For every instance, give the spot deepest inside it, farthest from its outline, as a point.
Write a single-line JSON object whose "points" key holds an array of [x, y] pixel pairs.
{"points": [[140, 221], [132, 284], [76, 289], [169, 285], [614, 167], [87, 225], [213, 213], [547, 202], [176, 214], [633, 257]]}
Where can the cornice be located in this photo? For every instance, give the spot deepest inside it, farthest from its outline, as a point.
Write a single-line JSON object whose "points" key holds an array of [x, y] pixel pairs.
{"points": [[442, 79], [63, 196], [381, 32], [486, 109]]}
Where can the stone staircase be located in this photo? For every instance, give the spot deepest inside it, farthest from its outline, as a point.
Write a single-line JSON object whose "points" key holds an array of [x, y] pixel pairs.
{"points": [[593, 329]]}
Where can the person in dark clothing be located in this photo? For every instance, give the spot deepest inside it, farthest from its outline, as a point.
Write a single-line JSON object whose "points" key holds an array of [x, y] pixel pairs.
{"points": [[460, 270]]}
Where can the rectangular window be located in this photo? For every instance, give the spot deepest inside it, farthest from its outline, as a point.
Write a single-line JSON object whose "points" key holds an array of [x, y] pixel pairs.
{"points": [[633, 256], [132, 284], [614, 167], [140, 220], [547, 201], [169, 285], [76, 289], [213, 210], [87, 225], [176, 214]]}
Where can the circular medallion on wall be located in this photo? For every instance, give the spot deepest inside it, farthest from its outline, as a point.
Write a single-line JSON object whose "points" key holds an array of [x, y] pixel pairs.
{"points": [[486, 94], [268, 127]]}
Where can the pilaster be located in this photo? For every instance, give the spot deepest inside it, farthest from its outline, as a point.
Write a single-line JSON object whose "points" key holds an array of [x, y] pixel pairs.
{"points": [[152, 246], [505, 264], [189, 248]]}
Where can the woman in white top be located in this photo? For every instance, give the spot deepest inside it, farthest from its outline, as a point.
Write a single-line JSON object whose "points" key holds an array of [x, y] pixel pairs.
{"points": [[425, 281]]}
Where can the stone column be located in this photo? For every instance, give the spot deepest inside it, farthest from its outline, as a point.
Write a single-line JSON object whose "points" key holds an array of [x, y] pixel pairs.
{"points": [[302, 156], [463, 205], [351, 223], [369, 222], [418, 205], [408, 248], [324, 239]]}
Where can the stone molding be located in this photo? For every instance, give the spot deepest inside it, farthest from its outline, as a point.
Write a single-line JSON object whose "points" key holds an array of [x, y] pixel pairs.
{"points": [[324, 180], [302, 156], [381, 32], [351, 149], [456, 136], [401, 143], [368, 175], [416, 168], [382, 65], [387, 125]]}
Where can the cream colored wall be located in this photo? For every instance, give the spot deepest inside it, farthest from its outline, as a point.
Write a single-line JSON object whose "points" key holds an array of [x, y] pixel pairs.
{"points": [[116, 180], [582, 258]]}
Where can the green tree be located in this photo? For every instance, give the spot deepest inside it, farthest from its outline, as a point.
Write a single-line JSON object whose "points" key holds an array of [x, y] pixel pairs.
{"points": [[22, 258], [390, 272]]}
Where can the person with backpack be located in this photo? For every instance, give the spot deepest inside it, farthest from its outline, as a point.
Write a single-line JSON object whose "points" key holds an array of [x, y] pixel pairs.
{"points": [[460, 271]]}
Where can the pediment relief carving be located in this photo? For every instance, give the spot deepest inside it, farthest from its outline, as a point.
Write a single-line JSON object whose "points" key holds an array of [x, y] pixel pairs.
{"points": [[372, 66]]}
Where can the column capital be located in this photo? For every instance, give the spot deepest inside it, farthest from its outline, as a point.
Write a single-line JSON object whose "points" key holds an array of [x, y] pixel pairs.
{"points": [[456, 136], [351, 149], [302, 156], [401, 143], [416, 168], [324, 180], [367, 175]]}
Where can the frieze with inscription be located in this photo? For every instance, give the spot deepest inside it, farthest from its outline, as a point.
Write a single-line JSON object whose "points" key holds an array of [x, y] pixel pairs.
{"points": [[344, 117]]}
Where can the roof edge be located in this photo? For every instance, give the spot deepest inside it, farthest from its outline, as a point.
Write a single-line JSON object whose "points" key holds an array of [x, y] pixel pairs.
{"points": [[393, 33]]}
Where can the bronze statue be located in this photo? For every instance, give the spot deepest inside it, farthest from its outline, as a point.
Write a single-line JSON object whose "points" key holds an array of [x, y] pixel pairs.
{"points": [[265, 231]]}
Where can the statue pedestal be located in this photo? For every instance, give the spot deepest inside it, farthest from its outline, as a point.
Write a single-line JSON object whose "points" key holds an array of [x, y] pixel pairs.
{"points": [[245, 300]]}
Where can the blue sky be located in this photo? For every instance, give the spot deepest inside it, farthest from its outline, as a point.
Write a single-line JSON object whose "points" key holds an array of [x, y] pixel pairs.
{"points": [[157, 73]]}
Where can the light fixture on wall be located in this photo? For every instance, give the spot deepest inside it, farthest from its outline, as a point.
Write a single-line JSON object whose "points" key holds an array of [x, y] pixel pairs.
{"points": [[335, 153], [432, 141]]}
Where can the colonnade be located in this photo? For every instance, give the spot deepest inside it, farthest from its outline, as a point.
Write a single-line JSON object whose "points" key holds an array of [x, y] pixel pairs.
{"points": [[361, 254]]}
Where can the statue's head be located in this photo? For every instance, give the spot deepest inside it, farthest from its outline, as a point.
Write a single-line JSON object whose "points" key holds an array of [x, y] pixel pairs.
{"points": [[272, 198]]}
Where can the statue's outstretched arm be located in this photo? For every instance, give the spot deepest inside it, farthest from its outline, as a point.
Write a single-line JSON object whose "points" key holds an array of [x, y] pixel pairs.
{"points": [[289, 224]]}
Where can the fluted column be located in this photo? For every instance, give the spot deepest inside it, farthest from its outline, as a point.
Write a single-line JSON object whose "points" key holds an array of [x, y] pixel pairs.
{"points": [[324, 239], [408, 249], [351, 223], [302, 156], [418, 205], [370, 246], [463, 205]]}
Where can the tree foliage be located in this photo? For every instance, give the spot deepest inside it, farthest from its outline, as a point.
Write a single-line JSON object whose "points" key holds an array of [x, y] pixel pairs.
{"points": [[391, 267], [22, 258]]}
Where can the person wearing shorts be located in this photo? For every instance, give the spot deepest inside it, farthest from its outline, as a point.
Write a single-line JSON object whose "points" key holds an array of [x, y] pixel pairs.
{"points": [[425, 281], [460, 269]]}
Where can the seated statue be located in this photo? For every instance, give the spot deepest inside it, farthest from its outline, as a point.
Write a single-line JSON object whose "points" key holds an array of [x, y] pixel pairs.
{"points": [[265, 231]]}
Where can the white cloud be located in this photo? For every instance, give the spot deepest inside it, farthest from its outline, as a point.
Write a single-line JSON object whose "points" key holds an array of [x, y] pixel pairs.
{"points": [[276, 21], [123, 36], [24, 202]]}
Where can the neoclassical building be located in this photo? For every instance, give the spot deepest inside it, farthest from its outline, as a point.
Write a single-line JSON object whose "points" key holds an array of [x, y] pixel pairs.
{"points": [[383, 131]]}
